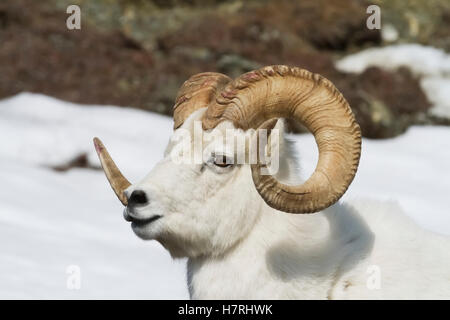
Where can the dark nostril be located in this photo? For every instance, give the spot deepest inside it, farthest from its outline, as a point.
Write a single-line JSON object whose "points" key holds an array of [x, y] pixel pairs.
{"points": [[138, 197]]}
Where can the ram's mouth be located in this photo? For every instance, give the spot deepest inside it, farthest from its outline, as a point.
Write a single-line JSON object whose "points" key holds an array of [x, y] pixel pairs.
{"points": [[141, 222]]}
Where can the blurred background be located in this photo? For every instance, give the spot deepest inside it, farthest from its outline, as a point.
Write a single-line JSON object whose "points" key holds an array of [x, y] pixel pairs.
{"points": [[117, 77], [137, 53]]}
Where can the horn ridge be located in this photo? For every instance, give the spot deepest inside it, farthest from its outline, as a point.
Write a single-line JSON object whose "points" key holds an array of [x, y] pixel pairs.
{"points": [[195, 93]]}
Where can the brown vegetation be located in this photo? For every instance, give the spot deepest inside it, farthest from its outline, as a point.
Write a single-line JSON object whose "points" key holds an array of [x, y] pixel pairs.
{"points": [[143, 63]]}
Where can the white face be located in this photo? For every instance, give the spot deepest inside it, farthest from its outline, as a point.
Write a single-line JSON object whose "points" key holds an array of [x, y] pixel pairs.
{"points": [[195, 209], [201, 208]]}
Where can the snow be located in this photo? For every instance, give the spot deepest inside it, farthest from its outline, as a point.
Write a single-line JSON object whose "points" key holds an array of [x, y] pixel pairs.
{"points": [[52, 220], [431, 64], [422, 60], [389, 33], [437, 90]]}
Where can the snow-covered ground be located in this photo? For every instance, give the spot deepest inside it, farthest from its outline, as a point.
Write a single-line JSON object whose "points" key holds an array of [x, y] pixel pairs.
{"points": [[51, 220], [431, 64]]}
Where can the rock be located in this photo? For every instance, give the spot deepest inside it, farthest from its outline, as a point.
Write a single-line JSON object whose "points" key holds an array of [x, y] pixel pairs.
{"points": [[235, 65]]}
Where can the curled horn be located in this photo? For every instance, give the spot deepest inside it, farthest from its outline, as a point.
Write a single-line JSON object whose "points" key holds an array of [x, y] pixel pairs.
{"points": [[289, 92]]}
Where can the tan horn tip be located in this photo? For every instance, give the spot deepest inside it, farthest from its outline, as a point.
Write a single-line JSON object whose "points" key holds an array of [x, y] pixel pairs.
{"points": [[116, 179], [98, 145]]}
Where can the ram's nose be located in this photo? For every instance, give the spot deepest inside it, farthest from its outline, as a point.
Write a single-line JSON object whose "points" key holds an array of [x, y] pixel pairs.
{"points": [[137, 198]]}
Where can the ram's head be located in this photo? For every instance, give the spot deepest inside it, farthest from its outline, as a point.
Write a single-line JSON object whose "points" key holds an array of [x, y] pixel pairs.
{"points": [[207, 204]]}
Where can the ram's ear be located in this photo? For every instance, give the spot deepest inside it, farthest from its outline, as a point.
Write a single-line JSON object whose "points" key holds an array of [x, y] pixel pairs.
{"points": [[277, 135], [288, 171]]}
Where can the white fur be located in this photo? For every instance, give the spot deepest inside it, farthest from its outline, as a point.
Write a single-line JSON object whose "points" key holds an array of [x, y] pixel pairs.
{"points": [[240, 248]]}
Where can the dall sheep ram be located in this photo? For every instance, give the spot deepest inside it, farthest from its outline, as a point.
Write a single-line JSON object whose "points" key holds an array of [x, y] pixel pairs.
{"points": [[249, 235]]}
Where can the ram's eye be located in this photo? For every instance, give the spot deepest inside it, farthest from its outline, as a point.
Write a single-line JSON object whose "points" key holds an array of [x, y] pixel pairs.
{"points": [[222, 161]]}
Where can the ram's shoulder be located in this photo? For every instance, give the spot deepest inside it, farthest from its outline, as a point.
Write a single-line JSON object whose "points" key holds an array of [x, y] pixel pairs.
{"points": [[391, 226]]}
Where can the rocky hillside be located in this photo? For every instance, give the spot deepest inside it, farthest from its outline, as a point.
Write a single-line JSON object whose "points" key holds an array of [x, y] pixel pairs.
{"points": [[138, 53]]}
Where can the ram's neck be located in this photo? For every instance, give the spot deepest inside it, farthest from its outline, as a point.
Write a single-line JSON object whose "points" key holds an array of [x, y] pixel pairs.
{"points": [[285, 256]]}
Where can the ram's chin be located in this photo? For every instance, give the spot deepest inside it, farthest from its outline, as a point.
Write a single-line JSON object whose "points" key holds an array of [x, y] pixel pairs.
{"points": [[148, 231]]}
